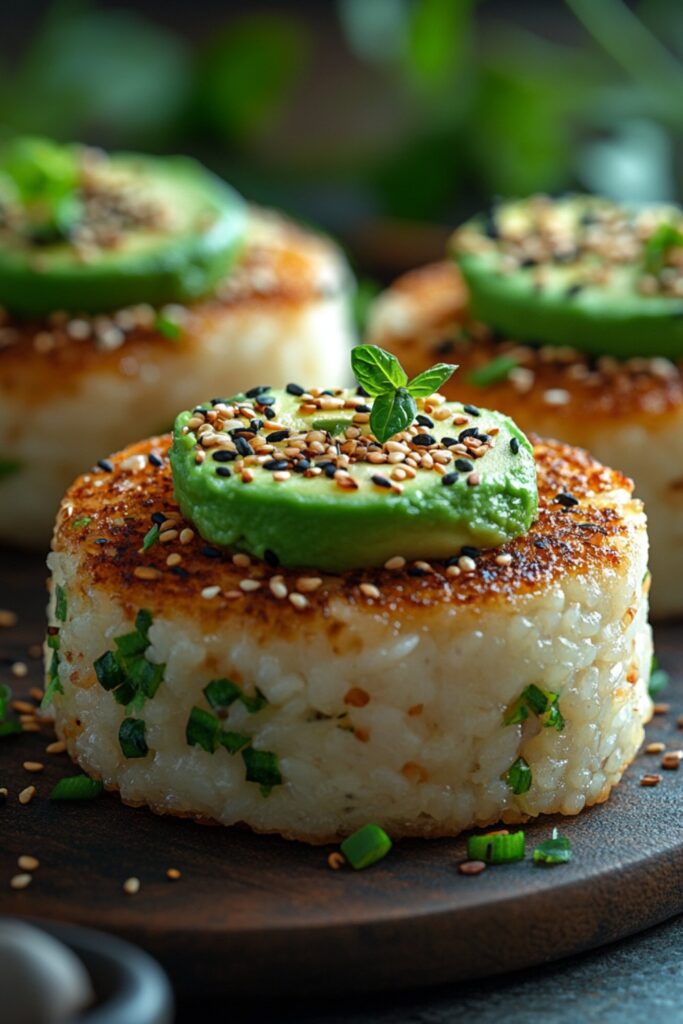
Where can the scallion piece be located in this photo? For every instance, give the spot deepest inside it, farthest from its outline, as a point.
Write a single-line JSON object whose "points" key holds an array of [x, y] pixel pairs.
{"points": [[556, 850], [262, 767], [132, 738], [255, 703], [76, 787], [659, 678], [234, 741], [60, 603], [221, 693], [495, 848], [131, 644], [202, 730], [54, 684], [150, 538], [366, 846], [108, 671], [143, 622], [519, 777], [493, 372], [170, 329], [543, 703]]}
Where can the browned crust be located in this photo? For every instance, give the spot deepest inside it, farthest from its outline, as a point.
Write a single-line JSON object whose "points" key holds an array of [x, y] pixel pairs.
{"points": [[437, 300], [591, 537], [271, 277]]}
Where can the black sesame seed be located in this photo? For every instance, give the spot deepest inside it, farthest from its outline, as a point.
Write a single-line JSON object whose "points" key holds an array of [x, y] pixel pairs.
{"points": [[324, 463], [277, 435], [423, 440], [414, 570], [222, 455], [566, 500], [464, 465], [211, 552], [448, 479], [330, 470], [101, 540], [269, 414], [540, 543], [178, 570], [222, 471], [363, 408], [265, 400], [424, 421], [514, 445], [301, 466], [448, 441], [255, 425], [472, 410], [295, 389], [270, 558], [243, 446], [276, 464], [380, 481], [471, 552], [199, 409], [468, 432], [155, 460], [257, 391], [453, 560], [158, 518], [106, 465]]}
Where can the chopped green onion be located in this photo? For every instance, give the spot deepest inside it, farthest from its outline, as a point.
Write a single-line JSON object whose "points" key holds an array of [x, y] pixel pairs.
{"points": [[10, 729], [543, 703], [108, 671], [60, 603], [493, 372], [54, 684], [221, 693], [255, 703], [234, 741], [82, 521], [76, 787], [495, 848], [557, 850], [659, 678], [143, 622], [8, 467], [519, 777], [202, 730], [132, 738], [130, 644], [262, 767], [170, 329], [5, 698], [151, 537], [366, 846], [53, 641]]}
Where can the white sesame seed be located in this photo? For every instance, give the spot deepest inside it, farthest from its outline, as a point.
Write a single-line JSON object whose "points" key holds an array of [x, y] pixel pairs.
{"points": [[306, 584], [131, 886], [146, 572], [397, 562], [278, 588], [186, 535], [299, 601], [369, 590], [466, 564], [28, 863], [250, 585], [21, 881], [208, 593], [556, 396], [504, 559], [27, 795], [19, 669]]}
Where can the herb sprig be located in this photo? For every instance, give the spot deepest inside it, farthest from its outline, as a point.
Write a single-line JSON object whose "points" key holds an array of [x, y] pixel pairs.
{"points": [[382, 377]]}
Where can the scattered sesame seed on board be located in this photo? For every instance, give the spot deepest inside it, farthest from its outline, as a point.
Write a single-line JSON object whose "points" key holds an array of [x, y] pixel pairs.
{"points": [[651, 779], [21, 881], [19, 669], [22, 707], [27, 794], [33, 766], [655, 748], [8, 619], [36, 694], [471, 867], [671, 761], [131, 886], [173, 874], [336, 860], [661, 709], [28, 863]]}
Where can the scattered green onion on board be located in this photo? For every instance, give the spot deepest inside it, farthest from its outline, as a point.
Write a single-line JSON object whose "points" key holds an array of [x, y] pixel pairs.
{"points": [[493, 372], [497, 847], [76, 787], [556, 850], [366, 846]]}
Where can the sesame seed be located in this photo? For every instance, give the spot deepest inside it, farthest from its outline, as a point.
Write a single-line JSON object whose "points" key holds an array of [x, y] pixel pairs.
{"points": [[466, 564], [8, 619], [336, 860], [131, 886], [33, 766], [299, 601], [22, 707], [173, 559], [106, 465], [473, 479], [464, 465], [241, 560], [556, 396], [651, 779], [208, 593], [566, 500], [369, 590], [58, 747], [397, 562], [21, 881], [281, 475], [278, 588], [19, 669], [36, 694], [472, 410], [146, 572], [27, 795], [448, 479], [248, 586], [167, 536], [173, 874], [28, 863], [423, 440], [380, 481], [295, 389], [671, 761], [504, 559], [186, 535], [307, 584], [514, 445], [471, 867], [661, 709], [223, 471], [655, 748]]}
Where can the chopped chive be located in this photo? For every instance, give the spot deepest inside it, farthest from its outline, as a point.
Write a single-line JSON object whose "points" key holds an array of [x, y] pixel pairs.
{"points": [[108, 671], [262, 767], [76, 787], [60, 603], [54, 684], [234, 741], [493, 372], [82, 521], [202, 730], [496, 848], [556, 850], [221, 693], [169, 328], [519, 777], [659, 678], [132, 738], [8, 467], [130, 644], [255, 703], [53, 638], [366, 846], [543, 703], [150, 538], [143, 622]]}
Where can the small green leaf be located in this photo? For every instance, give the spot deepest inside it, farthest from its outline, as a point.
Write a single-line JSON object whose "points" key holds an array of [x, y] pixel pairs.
{"points": [[132, 738], [8, 467], [429, 381], [377, 371], [391, 413], [519, 777], [77, 787], [657, 246], [202, 730]]}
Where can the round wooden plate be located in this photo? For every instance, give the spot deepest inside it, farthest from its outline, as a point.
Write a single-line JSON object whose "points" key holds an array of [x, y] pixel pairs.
{"points": [[254, 911]]}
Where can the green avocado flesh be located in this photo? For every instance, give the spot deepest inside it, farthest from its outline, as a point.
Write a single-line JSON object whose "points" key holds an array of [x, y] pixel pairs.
{"points": [[578, 271], [309, 519], [143, 230]]}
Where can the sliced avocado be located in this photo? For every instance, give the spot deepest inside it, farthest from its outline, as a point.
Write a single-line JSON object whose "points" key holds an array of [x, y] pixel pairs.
{"points": [[309, 518], [579, 271], [169, 230]]}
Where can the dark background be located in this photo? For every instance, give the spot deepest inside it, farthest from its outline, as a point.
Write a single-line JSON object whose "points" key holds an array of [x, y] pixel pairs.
{"points": [[384, 121]]}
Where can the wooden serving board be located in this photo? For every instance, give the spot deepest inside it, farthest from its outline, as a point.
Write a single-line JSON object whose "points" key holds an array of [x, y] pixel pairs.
{"points": [[253, 911]]}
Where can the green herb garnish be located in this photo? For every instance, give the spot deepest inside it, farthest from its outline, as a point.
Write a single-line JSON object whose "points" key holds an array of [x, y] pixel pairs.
{"points": [[655, 250], [60, 603], [519, 777], [234, 741], [557, 850], [8, 467], [496, 848], [132, 738], [54, 684], [42, 179], [151, 537], [493, 372], [170, 329], [222, 693], [76, 787], [82, 521], [383, 378], [127, 671], [543, 703], [202, 730], [366, 846], [659, 678], [262, 767]]}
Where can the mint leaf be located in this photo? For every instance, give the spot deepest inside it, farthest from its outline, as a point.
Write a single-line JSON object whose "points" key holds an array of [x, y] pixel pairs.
{"points": [[377, 371], [391, 413], [430, 380]]}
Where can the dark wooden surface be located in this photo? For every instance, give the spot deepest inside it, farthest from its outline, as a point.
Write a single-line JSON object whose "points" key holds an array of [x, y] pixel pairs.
{"points": [[253, 910]]}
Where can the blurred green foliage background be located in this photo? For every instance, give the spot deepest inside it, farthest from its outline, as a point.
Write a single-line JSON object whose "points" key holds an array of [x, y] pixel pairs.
{"points": [[385, 121]]}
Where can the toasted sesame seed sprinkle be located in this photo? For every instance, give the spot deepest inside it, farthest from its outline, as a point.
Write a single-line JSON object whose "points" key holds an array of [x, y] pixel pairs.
{"points": [[146, 572], [186, 535], [28, 863], [661, 709], [397, 562], [21, 881], [8, 619], [307, 584], [27, 794], [671, 761], [131, 886], [504, 559], [19, 669], [336, 860], [651, 779], [655, 748], [248, 586], [471, 867], [33, 766], [241, 560], [278, 588], [369, 590], [22, 707], [173, 874], [466, 564], [208, 593], [36, 694], [299, 601], [58, 747]]}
